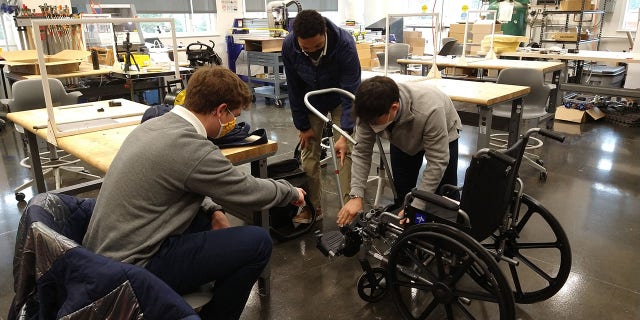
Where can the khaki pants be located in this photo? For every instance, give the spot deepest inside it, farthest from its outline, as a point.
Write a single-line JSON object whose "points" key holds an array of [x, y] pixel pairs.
{"points": [[311, 160]]}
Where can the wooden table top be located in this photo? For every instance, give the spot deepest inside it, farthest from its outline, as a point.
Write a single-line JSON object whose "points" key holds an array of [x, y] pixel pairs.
{"points": [[86, 70], [481, 93], [584, 55], [100, 147], [496, 64]]}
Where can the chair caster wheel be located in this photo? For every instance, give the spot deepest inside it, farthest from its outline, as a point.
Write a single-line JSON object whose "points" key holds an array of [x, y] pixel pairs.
{"points": [[372, 287], [279, 103], [540, 162], [543, 176], [20, 196]]}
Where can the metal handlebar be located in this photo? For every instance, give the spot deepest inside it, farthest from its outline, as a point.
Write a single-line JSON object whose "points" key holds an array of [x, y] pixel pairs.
{"points": [[322, 116]]}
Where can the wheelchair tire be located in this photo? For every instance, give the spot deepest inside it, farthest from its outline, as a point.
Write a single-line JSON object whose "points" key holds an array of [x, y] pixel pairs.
{"points": [[428, 276], [372, 287], [545, 257]]}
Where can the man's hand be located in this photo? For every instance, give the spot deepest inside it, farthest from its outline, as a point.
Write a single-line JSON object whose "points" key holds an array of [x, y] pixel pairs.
{"points": [[219, 220], [349, 211], [300, 201], [305, 137], [341, 149], [403, 219]]}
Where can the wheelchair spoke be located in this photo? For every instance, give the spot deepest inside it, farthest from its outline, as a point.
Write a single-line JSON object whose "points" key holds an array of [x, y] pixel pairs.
{"points": [[538, 245], [474, 295], [423, 269], [464, 310], [430, 308], [535, 268], [449, 311], [516, 279], [524, 220], [414, 285]]}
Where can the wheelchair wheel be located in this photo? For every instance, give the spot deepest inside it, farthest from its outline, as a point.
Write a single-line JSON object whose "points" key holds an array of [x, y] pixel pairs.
{"points": [[372, 286], [429, 276], [541, 245]]}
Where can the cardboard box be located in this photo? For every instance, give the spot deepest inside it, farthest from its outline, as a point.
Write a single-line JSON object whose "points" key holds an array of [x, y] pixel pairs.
{"points": [[459, 27], [416, 45], [567, 127], [575, 5], [26, 61], [458, 36], [263, 44], [565, 36], [485, 27], [578, 116], [406, 35]]}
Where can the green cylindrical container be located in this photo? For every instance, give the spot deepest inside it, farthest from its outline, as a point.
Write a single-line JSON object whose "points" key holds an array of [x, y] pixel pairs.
{"points": [[518, 24]]}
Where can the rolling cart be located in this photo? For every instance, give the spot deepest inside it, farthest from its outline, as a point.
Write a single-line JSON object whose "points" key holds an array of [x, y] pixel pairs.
{"points": [[270, 86]]}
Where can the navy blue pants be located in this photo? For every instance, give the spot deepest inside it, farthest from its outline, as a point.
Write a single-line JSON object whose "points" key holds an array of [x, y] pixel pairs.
{"points": [[233, 257], [406, 169]]}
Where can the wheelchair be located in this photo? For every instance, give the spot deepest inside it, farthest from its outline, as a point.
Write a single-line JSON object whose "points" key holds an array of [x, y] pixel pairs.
{"points": [[445, 261]]}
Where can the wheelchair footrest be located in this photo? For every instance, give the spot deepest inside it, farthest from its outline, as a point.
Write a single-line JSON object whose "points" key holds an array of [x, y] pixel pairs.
{"points": [[330, 243]]}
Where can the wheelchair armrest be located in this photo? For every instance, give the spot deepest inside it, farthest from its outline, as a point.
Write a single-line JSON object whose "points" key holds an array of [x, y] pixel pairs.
{"points": [[435, 199]]}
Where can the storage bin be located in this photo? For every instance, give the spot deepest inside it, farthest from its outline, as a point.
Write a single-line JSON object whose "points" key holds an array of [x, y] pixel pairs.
{"points": [[602, 75]]}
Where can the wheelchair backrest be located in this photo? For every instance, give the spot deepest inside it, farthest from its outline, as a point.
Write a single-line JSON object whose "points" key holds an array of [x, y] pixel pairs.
{"points": [[486, 194]]}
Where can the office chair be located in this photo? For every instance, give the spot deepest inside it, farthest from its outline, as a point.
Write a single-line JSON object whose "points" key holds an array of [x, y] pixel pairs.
{"points": [[28, 95], [449, 47], [396, 51], [534, 107]]}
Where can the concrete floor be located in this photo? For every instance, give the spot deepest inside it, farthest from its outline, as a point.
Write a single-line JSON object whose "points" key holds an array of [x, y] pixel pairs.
{"points": [[592, 189]]}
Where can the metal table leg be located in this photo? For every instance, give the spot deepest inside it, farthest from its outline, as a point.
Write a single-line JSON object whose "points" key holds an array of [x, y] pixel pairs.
{"points": [[259, 169], [36, 162]]}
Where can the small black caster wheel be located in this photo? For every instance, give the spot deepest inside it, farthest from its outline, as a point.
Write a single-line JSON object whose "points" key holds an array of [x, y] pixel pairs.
{"points": [[20, 196], [540, 162], [543, 176], [372, 287], [268, 101], [279, 103]]}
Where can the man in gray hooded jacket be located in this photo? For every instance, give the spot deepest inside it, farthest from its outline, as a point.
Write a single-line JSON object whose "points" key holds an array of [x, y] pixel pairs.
{"points": [[421, 123]]}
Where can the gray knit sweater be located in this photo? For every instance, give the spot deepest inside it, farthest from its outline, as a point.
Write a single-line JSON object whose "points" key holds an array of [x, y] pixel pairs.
{"points": [[427, 121], [156, 183]]}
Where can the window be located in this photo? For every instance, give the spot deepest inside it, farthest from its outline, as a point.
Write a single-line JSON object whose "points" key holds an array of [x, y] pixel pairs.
{"points": [[184, 22], [630, 16]]}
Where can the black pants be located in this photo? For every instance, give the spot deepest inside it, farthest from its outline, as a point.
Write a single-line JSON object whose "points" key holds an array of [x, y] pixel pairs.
{"points": [[406, 169], [233, 257]]}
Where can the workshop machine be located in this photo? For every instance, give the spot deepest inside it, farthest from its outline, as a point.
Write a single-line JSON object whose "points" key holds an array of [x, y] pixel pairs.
{"points": [[278, 16]]}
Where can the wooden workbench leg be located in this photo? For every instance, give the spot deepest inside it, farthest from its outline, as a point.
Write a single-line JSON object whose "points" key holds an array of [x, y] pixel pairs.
{"points": [[36, 162], [259, 169]]}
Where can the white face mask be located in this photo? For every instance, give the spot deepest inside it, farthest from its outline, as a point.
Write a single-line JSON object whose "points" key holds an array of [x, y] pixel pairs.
{"points": [[377, 128]]}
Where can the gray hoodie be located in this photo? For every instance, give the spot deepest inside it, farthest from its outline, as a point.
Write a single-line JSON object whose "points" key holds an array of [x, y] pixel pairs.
{"points": [[427, 121]]}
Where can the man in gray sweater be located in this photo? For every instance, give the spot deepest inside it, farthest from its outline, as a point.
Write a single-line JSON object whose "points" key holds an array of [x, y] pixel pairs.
{"points": [[148, 211], [421, 123]]}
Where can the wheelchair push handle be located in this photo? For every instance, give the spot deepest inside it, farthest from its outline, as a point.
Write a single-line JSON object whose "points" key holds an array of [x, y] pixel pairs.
{"points": [[322, 116], [552, 134], [500, 156], [545, 132]]}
